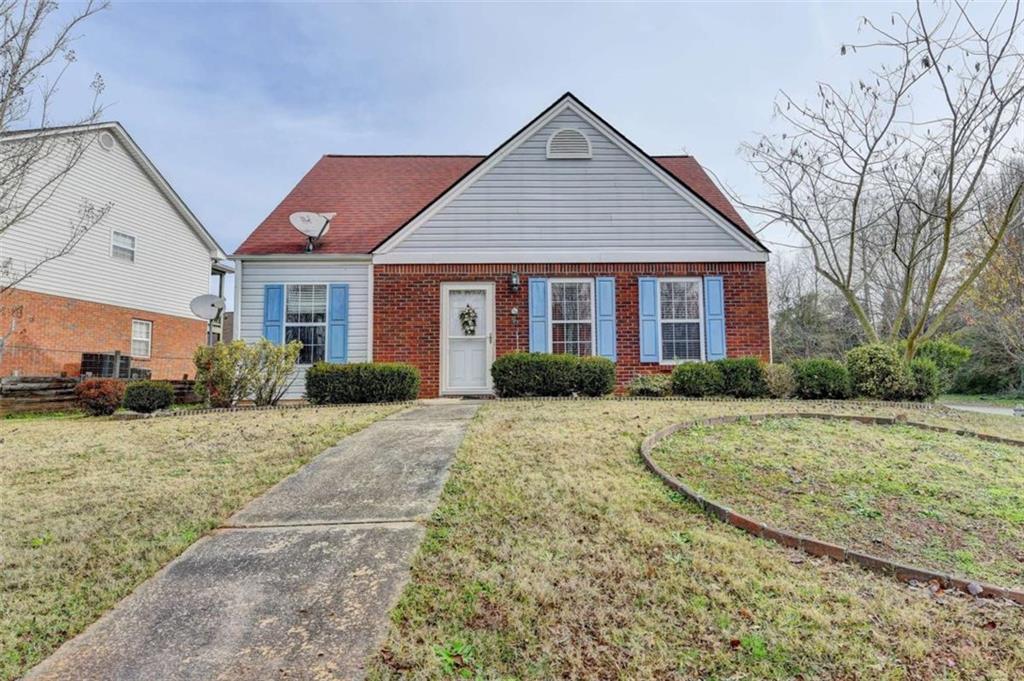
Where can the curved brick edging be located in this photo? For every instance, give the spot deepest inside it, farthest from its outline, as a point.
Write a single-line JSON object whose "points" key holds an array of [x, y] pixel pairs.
{"points": [[810, 545]]}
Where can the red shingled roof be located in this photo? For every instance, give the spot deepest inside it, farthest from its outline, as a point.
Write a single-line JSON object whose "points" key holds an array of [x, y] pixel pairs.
{"points": [[374, 196]]}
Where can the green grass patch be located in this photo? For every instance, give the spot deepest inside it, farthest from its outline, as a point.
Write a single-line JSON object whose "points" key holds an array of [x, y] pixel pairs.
{"points": [[938, 500], [555, 554], [92, 507]]}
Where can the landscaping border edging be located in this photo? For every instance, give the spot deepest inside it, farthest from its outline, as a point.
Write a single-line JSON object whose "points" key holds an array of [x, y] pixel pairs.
{"points": [[135, 416], [810, 545]]}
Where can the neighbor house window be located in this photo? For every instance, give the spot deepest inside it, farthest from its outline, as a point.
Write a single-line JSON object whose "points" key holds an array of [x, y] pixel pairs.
{"points": [[122, 246], [305, 319], [681, 326], [572, 316], [142, 338]]}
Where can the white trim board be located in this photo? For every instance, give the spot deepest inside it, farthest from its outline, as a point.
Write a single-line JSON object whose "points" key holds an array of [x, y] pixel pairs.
{"points": [[567, 102]]}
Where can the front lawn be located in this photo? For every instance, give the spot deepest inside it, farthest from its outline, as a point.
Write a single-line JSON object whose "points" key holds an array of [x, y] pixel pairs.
{"points": [[937, 500], [556, 554], [92, 507]]}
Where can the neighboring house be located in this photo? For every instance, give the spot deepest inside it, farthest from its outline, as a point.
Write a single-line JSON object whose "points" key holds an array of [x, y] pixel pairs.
{"points": [[125, 288], [567, 238]]}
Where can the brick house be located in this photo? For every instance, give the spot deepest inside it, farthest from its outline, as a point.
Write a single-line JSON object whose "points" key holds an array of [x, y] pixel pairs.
{"points": [[124, 288], [566, 238]]}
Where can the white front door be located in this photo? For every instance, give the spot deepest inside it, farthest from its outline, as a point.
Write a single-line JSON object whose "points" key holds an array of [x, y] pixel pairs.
{"points": [[467, 337]]}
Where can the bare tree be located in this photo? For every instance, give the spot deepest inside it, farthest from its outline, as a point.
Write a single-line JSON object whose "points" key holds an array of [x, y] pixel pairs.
{"points": [[886, 180], [35, 54]]}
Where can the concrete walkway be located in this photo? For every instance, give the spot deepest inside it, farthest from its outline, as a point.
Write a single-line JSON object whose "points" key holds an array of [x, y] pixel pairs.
{"points": [[981, 408], [297, 584]]}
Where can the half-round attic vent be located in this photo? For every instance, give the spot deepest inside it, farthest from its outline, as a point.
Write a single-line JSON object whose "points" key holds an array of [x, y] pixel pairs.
{"points": [[568, 143]]}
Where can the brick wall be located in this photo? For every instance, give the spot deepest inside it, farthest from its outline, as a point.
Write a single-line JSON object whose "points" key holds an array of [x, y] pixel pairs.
{"points": [[407, 304], [51, 333]]}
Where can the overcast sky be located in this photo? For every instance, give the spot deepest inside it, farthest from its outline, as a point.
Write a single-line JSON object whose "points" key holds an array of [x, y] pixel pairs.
{"points": [[235, 102]]}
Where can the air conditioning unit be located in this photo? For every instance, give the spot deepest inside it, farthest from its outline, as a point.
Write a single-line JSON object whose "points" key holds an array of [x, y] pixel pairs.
{"points": [[106, 365]]}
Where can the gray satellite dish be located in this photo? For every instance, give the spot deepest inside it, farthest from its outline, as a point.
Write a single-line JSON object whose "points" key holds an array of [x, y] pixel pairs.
{"points": [[313, 225], [207, 307]]}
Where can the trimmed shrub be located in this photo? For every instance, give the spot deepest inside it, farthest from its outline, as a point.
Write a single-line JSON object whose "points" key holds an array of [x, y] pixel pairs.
{"points": [[743, 377], [100, 396], [651, 385], [697, 379], [780, 380], [925, 381], [541, 374], [271, 370], [595, 376], [534, 374], [146, 397], [948, 357], [222, 373], [366, 382], [877, 370], [821, 379]]}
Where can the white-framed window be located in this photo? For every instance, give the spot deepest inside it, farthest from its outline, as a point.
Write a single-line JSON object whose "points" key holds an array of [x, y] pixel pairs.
{"points": [[142, 338], [681, 319], [122, 246], [572, 316], [305, 319]]}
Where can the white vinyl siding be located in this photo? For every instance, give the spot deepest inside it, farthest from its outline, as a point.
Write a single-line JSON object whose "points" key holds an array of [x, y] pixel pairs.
{"points": [[142, 338], [528, 203], [681, 314], [171, 263], [258, 273], [572, 316]]}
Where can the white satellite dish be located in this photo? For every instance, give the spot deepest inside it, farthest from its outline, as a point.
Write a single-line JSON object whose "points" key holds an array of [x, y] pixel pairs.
{"points": [[313, 225], [207, 307]]}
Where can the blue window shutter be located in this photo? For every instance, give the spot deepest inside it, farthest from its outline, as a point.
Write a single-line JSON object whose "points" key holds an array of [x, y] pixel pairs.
{"points": [[273, 313], [605, 306], [649, 327], [714, 317], [538, 315], [337, 324]]}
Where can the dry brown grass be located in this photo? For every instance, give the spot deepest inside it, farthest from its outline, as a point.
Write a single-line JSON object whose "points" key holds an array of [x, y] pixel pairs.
{"points": [[555, 554], [90, 508]]}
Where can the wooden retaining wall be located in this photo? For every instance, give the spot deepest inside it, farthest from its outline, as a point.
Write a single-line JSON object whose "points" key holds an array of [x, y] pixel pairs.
{"points": [[22, 394]]}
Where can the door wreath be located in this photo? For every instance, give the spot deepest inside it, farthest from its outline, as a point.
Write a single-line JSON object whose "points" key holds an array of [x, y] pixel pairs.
{"points": [[467, 318]]}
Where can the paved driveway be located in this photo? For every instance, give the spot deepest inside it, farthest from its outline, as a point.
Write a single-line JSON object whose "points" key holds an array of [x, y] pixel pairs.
{"points": [[296, 585]]}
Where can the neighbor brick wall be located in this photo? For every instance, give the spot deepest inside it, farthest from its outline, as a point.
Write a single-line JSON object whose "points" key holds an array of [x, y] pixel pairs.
{"points": [[51, 333], [407, 303]]}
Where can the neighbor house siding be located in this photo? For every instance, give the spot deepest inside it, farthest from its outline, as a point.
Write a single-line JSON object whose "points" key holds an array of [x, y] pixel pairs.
{"points": [[172, 264], [527, 201], [407, 309], [257, 274]]}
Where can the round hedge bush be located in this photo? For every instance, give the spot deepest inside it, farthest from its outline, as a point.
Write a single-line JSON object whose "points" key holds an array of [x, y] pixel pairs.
{"points": [[878, 370], [146, 397], [100, 396], [821, 379], [743, 377], [780, 380], [650, 385], [925, 380], [697, 379]]}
